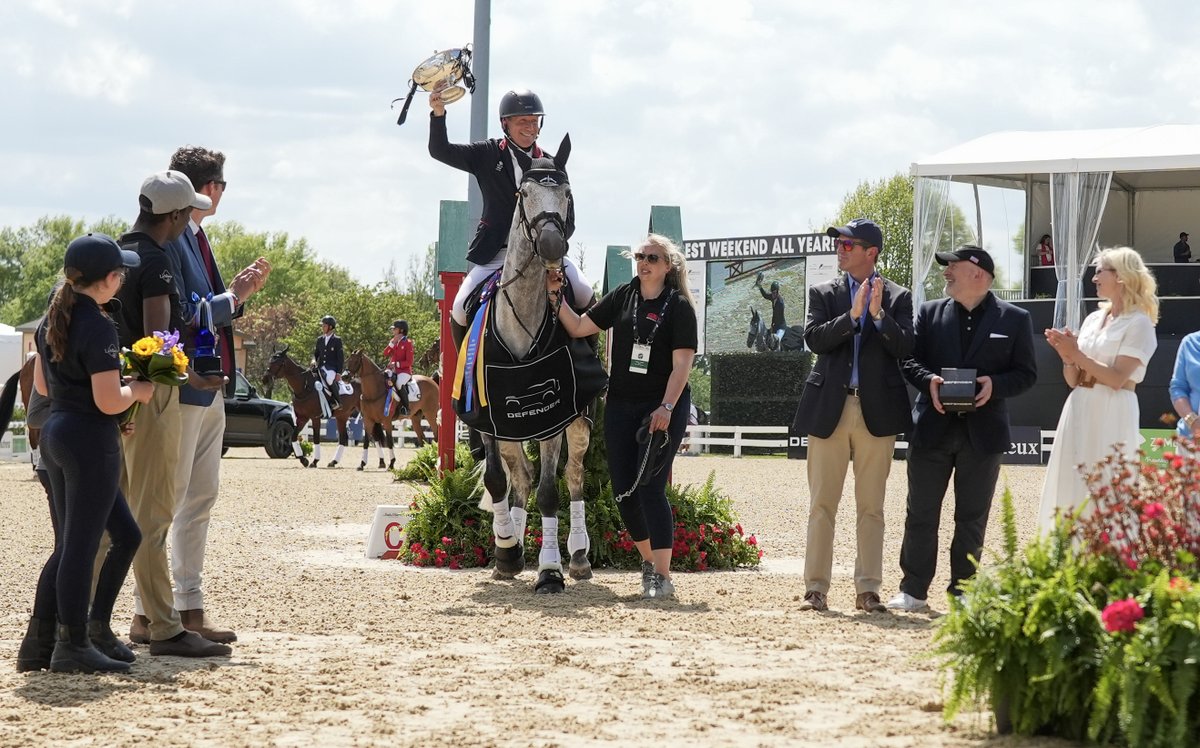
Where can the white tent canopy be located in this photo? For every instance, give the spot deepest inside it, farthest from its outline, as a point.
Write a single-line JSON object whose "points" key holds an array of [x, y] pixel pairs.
{"points": [[1152, 174]]}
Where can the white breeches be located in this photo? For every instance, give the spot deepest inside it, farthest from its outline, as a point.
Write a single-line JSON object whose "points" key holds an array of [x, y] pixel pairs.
{"points": [[581, 287]]}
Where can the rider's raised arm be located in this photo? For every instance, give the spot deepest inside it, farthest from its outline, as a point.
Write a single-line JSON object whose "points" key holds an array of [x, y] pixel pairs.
{"points": [[466, 157]]}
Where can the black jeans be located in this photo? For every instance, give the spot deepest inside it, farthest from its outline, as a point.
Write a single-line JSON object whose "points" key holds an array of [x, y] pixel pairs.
{"points": [[929, 471], [82, 458], [646, 512]]}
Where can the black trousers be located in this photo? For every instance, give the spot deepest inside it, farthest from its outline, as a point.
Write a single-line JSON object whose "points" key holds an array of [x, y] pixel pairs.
{"points": [[929, 472], [82, 458], [646, 512]]}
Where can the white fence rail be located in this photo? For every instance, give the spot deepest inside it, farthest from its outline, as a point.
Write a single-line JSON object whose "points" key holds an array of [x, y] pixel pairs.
{"points": [[14, 446], [738, 437]]}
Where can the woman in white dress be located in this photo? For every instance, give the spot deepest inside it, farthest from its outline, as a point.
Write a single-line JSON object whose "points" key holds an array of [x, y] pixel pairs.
{"points": [[1102, 366]]}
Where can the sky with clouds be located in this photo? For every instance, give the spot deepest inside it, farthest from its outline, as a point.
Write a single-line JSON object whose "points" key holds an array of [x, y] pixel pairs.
{"points": [[755, 117]]}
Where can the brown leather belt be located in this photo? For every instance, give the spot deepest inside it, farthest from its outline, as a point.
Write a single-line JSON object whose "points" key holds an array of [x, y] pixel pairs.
{"points": [[1087, 381]]}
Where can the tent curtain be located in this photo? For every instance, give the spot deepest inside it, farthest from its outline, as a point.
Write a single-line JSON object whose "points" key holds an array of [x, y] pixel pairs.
{"points": [[1077, 201], [932, 200]]}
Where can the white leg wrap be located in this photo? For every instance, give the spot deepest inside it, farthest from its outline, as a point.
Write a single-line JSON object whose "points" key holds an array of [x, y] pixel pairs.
{"points": [[337, 456], [549, 557], [297, 449], [366, 454], [316, 451], [502, 525], [379, 450], [520, 518], [578, 539]]}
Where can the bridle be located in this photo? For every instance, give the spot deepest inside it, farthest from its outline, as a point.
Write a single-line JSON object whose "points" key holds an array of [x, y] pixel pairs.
{"points": [[530, 229]]}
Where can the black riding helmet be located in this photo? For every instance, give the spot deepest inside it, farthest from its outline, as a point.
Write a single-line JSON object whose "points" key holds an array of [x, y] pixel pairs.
{"points": [[774, 286], [520, 104], [400, 325], [329, 320]]}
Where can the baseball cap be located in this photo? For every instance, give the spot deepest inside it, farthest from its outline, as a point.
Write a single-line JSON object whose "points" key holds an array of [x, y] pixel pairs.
{"points": [[863, 229], [97, 255], [1183, 234], [171, 190], [968, 253]]}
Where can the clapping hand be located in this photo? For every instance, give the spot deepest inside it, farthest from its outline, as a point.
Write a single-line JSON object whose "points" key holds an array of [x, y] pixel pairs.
{"points": [[1064, 343]]}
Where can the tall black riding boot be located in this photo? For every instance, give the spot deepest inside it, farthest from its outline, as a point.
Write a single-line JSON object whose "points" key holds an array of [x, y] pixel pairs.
{"points": [[37, 646], [74, 653], [403, 393], [458, 332], [103, 639]]}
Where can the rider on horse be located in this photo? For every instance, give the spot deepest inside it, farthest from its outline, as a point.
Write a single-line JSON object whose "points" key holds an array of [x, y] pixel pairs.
{"points": [[497, 172], [329, 360], [398, 356], [778, 324]]}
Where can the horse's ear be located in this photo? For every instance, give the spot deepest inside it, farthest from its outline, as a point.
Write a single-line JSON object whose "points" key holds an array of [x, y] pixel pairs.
{"points": [[563, 153], [285, 350], [525, 161]]}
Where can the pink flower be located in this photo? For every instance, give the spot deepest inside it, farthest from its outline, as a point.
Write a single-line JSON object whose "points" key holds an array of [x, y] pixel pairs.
{"points": [[1153, 510], [1122, 615], [752, 540]]}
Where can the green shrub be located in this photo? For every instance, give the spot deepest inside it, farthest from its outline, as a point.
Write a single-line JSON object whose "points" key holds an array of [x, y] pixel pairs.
{"points": [[424, 463], [1094, 632]]}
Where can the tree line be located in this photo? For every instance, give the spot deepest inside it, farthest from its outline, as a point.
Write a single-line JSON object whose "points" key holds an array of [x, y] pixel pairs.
{"points": [[287, 312]]}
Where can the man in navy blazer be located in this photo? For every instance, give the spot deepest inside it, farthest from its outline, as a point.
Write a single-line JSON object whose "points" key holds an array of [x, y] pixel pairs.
{"points": [[853, 405], [971, 329], [198, 470]]}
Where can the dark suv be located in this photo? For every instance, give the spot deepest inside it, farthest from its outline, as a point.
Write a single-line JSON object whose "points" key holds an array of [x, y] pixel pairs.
{"points": [[253, 421]]}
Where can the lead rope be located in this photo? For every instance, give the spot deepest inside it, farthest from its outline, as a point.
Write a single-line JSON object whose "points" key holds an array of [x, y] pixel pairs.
{"points": [[641, 472]]}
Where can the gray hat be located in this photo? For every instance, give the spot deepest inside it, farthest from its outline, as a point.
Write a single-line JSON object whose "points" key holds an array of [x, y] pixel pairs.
{"points": [[171, 190]]}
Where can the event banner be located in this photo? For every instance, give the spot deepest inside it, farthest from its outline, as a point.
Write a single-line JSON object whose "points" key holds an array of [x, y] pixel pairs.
{"points": [[758, 247]]}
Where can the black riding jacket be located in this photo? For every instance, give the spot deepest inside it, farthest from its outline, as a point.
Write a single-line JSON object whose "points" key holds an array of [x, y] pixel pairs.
{"points": [[777, 319], [491, 164]]}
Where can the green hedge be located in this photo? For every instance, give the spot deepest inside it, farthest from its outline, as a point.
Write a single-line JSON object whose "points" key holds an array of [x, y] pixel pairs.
{"points": [[757, 389]]}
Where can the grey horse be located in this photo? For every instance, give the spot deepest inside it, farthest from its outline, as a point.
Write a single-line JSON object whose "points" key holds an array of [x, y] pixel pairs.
{"points": [[537, 242]]}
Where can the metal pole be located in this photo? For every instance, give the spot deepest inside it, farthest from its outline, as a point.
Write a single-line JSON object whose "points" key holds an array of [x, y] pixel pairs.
{"points": [[479, 100]]}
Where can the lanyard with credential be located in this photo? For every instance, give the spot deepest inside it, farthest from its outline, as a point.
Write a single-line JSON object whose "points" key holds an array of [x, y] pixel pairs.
{"points": [[639, 357]]}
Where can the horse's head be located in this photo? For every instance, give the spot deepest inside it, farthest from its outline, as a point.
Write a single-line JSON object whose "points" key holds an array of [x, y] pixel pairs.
{"points": [[276, 366], [545, 208], [752, 333], [354, 362]]}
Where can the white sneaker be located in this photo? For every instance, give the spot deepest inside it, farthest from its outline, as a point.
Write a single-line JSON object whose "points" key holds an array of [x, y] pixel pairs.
{"points": [[661, 588], [907, 603]]}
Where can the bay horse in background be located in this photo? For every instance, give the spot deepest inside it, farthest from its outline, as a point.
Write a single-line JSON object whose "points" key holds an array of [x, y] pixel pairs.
{"points": [[537, 242], [430, 361], [377, 424], [307, 405], [22, 381], [758, 336]]}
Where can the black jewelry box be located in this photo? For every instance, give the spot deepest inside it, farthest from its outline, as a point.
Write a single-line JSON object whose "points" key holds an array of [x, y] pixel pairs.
{"points": [[958, 391]]}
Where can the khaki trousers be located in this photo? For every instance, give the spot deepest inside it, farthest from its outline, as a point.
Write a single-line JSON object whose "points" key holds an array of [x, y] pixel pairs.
{"points": [[828, 460], [197, 478], [151, 453]]}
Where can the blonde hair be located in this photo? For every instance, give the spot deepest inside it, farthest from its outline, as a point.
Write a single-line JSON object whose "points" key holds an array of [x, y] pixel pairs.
{"points": [[1139, 290], [677, 276]]}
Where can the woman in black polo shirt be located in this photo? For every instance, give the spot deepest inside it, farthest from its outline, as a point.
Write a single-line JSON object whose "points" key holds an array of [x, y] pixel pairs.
{"points": [[80, 449], [653, 323]]}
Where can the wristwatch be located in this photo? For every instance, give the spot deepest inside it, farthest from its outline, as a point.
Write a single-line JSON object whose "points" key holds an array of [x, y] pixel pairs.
{"points": [[669, 407], [878, 317]]}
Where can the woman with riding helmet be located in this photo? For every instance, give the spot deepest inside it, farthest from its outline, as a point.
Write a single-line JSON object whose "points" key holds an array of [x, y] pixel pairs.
{"points": [[398, 359]]}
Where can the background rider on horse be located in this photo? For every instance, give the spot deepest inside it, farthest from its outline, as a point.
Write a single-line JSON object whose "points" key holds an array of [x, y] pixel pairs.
{"points": [[778, 324], [398, 358], [329, 359]]}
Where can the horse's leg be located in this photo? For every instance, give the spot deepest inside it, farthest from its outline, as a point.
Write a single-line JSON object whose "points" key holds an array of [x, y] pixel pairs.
{"points": [[510, 556], [297, 449], [343, 440], [550, 576], [366, 445], [316, 424], [379, 439], [579, 435], [391, 446]]}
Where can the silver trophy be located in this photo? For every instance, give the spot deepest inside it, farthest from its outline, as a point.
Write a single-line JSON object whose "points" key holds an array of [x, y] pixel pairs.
{"points": [[442, 74]]}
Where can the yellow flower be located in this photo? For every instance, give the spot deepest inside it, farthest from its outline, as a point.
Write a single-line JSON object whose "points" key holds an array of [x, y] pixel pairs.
{"points": [[181, 361], [147, 346]]}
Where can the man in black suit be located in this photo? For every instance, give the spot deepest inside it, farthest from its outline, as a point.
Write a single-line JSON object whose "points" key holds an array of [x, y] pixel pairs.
{"points": [[972, 329], [854, 403], [1182, 250], [330, 359]]}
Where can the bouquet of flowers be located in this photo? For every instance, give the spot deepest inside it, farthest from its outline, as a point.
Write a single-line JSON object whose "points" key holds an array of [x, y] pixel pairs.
{"points": [[157, 358]]}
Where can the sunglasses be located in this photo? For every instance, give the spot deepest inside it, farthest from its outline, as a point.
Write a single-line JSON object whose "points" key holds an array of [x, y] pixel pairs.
{"points": [[652, 259], [849, 244], [221, 182]]}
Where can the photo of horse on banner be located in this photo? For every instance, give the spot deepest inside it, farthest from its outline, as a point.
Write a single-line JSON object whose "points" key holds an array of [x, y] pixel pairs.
{"points": [[521, 378]]}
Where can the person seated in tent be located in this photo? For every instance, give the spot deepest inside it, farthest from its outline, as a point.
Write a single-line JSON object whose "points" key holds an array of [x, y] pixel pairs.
{"points": [[1183, 252], [1044, 251]]}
